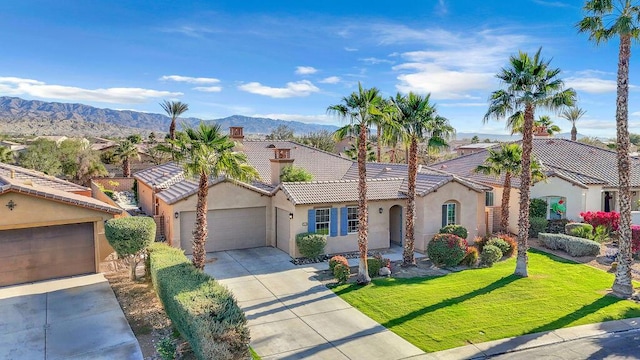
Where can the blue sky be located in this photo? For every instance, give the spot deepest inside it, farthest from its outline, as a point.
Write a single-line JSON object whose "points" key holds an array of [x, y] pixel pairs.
{"points": [[292, 59]]}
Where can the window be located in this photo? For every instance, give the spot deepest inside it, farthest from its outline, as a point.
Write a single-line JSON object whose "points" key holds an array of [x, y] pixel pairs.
{"points": [[322, 221], [448, 214], [488, 198], [352, 219]]}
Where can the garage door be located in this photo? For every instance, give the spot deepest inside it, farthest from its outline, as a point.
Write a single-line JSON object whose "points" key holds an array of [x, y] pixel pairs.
{"points": [[283, 229], [46, 252], [228, 229]]}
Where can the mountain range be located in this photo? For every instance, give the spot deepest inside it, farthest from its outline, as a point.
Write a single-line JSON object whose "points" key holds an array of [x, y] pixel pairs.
{"points": [[33, 117]]}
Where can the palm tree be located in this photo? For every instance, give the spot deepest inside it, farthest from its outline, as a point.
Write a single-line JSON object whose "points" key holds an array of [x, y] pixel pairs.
{"points": [[607, 19], [419, 119], [126, 151], [544, 122], [174, 109], [360, 108], [528, 83], [208, 154], [507, 161], [6, 156], [573, 114]]}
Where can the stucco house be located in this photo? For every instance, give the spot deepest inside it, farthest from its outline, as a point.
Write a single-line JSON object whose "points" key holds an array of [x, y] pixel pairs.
{"points": [[580, 177], [49, 227], [269, 213]]}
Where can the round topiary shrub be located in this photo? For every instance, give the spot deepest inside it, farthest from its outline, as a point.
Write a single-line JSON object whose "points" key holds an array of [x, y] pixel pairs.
{"points": [[457, 230], [490, 255], [130, 237], [446, 249], [341, 273], [374, 266], [500, 244], [471, 257], [513, 244], [311, 245], [335, 260]]}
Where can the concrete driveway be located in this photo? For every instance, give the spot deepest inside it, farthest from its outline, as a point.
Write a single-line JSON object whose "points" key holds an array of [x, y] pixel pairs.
{"points": [[75, 318]]}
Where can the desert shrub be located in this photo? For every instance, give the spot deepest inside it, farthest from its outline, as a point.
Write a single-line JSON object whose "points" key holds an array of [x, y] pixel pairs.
{"points": [[374, 266], [384, 262], [205, 313], [479, 242], [574, 246], [500, 244], [609, 219], [311, 245], [337, 260], [470, 258], [110, 194], [130, 237], [538, 208], [537, 225], [166, 348], [572, 225], [556, 226], [341, 273], [446, 249], [600, 234], [457, 230], [582, 232], [513, 244], [490, 255]]}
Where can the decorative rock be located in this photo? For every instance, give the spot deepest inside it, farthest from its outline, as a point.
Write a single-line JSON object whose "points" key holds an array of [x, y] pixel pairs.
{"points": [[384, 271]]}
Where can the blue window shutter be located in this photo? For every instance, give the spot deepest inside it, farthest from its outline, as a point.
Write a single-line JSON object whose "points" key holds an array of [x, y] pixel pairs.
{"points": [[333, 222], [311, 221], [444, 215], [343, 221]]}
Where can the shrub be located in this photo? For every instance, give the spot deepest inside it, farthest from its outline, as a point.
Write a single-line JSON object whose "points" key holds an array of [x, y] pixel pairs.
{"points": [[470, 259], [574, 246], [130, 237], [513, 244], [635, 239], [446, 249], [457, 230], [293, 173], [311, 245], [374, 266], [572, 225], [337, 260], [166, 348], [537, 225], [582, 232], [203, 311], [556, 226], [600, 234], [479, 242], [538, 208], [609, 219], [490, 255], [110, 194], [500, 244], [341, 272]]}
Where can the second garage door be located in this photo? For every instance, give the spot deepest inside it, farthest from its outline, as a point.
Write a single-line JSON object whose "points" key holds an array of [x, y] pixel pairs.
{"points": [[228, 229]]}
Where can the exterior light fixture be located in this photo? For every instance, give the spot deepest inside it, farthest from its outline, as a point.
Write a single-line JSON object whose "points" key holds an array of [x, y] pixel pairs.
{"points": [[11, 205], [380, 210], [176, 214], [290, 216]]}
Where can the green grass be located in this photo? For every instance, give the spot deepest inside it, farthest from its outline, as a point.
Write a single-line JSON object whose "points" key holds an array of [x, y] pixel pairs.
{"points": [[480, 305], [254, 354]]}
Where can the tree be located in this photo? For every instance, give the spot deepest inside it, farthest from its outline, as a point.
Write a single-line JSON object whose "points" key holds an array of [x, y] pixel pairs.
{"points": [[507, 161], [360, 108], [475, 139], [573, 115], [174, 109], [135, 138], [528, 84], [543, 121], [419, 120], [205, 154], [6, 156], [605, 20], [42, 155], [123, 154], [322, 140], [292, 173], [130, 237], [281, 132], [79, 162], [352, 152]]}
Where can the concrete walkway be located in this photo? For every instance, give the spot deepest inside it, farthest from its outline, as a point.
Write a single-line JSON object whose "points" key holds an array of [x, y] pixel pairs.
{"points": [[74, 318], [293, 316]]}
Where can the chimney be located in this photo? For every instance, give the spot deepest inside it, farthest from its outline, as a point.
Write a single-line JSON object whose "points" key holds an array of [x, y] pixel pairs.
{"points": [[236, 134], [282, 158], [540, 131]]}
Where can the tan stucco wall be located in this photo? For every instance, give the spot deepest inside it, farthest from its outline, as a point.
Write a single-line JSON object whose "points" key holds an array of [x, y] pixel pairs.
{"points": [[145, 198], [514, 203], [31, 211]]}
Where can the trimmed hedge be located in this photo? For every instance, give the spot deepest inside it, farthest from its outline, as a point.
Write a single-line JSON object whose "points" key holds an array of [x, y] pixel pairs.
{"points": [[446, 249], [556, 226], [490, 255], [500, 244], [311, 245], [537, 225], [203, 311], [130, 237], [457, 230], [374, 265], [574, 246], [572, 225]]}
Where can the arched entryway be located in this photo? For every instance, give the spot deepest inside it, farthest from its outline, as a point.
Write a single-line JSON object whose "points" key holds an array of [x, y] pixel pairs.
{"points": [[395, 225]]}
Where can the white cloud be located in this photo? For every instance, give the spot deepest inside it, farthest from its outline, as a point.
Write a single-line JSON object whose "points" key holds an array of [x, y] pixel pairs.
{"points": [[591, 85], [441, 8], [191, 31], [559, 4], [189, 79], [19, 86], [208, 88], [350, 49], [441, 83], [293, 89], [310, 119], [375, 61], [330, 80], [306, 70]]}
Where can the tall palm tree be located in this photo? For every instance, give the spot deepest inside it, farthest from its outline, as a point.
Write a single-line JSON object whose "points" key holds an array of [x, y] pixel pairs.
{"points": [[544, 121], [528, 83], [419, 119], [126, 151], [360, 108], [174, 109], [605, 20], [507, 161], [6, 156], [208, 154], [573, 115]]}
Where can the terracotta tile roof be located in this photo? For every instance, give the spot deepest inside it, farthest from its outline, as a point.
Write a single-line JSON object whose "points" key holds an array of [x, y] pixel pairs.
{"points": [[188, 187], [161, 176], [28, 176], [325, 192]]}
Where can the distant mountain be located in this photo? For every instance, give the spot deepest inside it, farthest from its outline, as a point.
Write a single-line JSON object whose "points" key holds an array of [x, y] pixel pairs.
{"points": [[33, 117], [503, 138]]}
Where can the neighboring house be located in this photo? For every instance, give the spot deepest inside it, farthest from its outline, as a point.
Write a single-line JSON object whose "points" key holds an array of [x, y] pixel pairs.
{"points": [[580, 177], [473, 148], [115, 170], [58, 139], [49, 228], [269, 213], [13, 146]]}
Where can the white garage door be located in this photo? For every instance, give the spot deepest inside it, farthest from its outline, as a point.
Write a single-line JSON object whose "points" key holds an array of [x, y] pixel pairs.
{"points": [[228, 229], [282, 229]]}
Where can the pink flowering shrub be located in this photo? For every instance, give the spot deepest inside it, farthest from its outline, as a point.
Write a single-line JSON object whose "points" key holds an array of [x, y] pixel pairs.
{"points": [[446, 250], [608, 219], [635, 239]]}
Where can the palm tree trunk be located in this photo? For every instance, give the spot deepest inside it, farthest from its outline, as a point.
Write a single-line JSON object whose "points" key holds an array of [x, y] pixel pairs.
{"points": [[379, 144], [363, 270], [408, 258], [406, 154], [126, 168], [393, 154], [622, 286], [574, 132], [200, 233], [525, 185], [172, 129], [504, 210]]}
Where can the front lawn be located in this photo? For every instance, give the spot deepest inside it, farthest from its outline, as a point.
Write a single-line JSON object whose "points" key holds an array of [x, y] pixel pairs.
{"points": [[478, 305]]}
